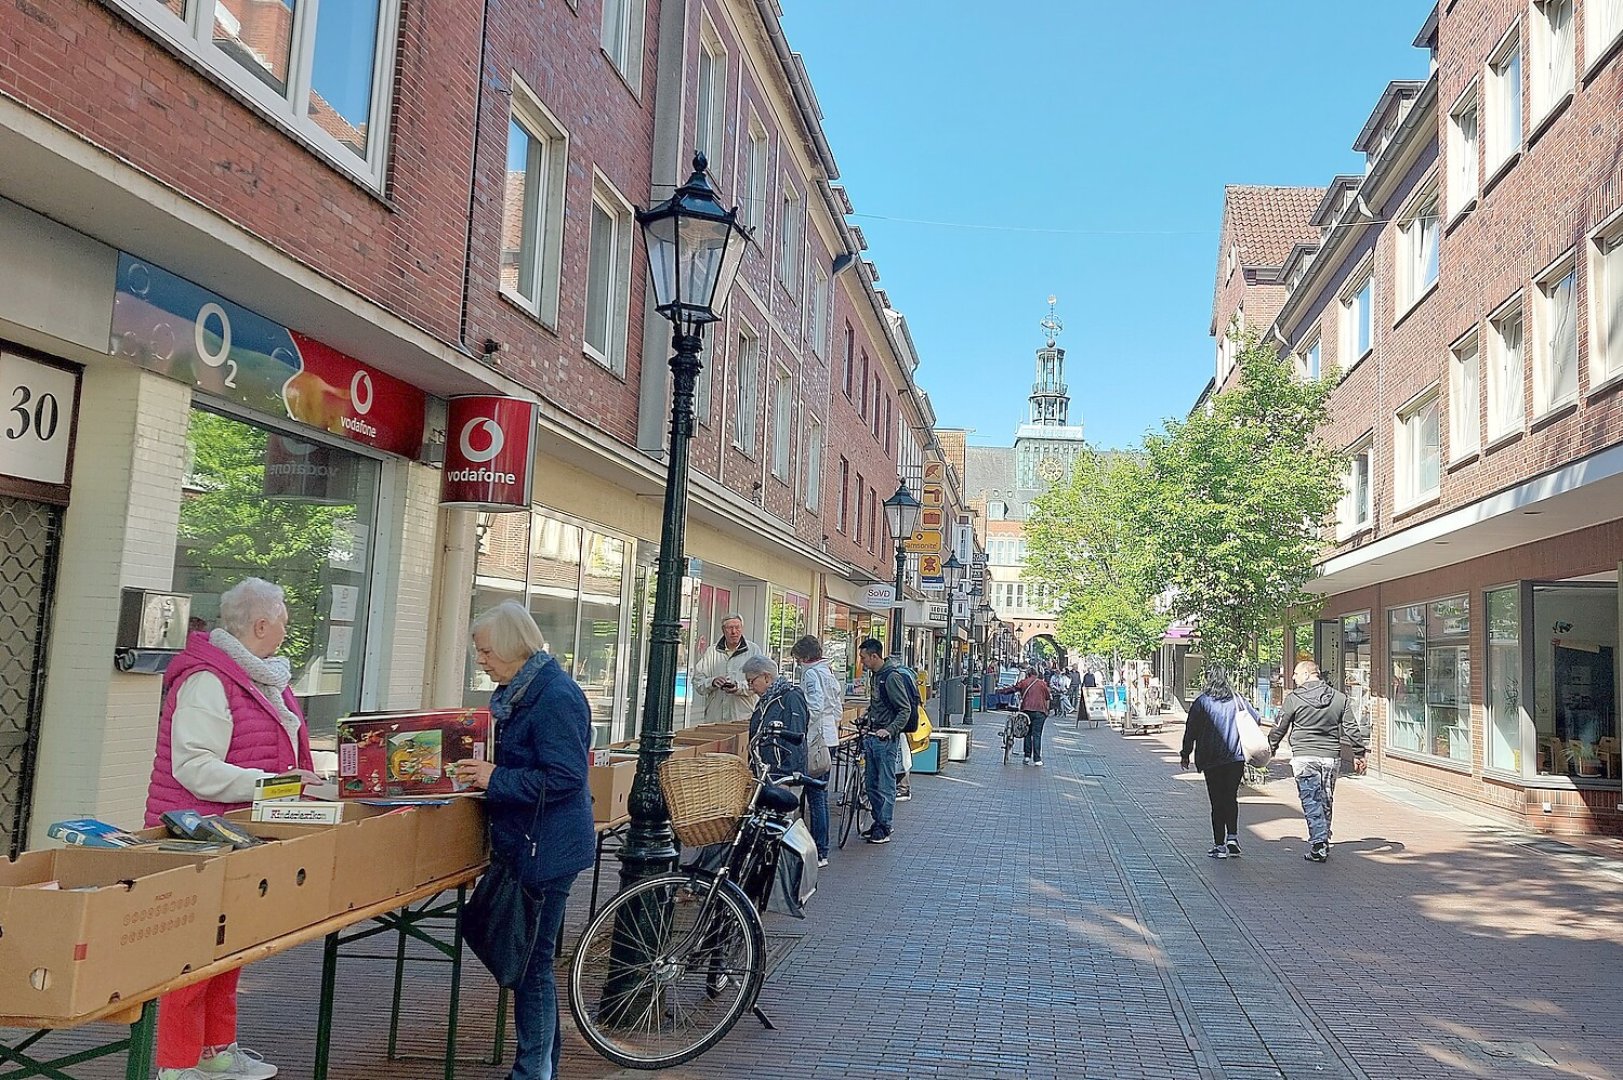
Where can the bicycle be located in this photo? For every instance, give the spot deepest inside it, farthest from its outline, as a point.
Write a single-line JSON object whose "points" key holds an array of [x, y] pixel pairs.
{"points": [[1015, 729], [858, 812], [665, 969]]}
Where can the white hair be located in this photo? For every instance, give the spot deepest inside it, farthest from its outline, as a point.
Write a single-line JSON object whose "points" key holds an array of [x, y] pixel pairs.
{"points": [[760, 665], [732, 616], [248, 601], [510, 631]]}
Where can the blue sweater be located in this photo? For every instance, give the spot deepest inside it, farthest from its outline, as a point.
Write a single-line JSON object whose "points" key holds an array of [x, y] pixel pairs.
{"points": [[541, 754], [1210, 732]]}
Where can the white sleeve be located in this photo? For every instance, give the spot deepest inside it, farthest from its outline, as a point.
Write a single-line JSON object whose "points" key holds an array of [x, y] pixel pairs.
{"points": [[812, 684], [703, 672], [200, 737]]}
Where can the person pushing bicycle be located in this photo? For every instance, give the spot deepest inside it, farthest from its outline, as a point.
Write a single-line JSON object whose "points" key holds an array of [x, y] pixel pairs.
{"points": [[892, 708]]}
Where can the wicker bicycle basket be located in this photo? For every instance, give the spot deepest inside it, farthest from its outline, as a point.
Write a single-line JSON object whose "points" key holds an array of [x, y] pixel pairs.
{"points": [[706, 796]]}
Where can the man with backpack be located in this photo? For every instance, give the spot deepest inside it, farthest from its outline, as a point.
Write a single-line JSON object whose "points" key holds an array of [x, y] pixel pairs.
{"points": [[892, 713]]}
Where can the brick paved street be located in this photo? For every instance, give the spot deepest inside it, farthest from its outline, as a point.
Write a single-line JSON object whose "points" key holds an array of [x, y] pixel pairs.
{"points": [[1065, 922]]}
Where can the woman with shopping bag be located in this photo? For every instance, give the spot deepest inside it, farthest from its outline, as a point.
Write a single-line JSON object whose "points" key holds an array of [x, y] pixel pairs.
{"points": [[1222, 734]]}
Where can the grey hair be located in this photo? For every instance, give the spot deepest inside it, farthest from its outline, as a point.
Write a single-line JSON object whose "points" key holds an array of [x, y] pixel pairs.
{"points": [[732, 616], [248, 601], [760, 665], [511, 631], [1306, 669]]}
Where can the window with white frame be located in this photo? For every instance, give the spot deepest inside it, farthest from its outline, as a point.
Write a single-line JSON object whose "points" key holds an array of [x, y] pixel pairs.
{"points": [[710, 99], [622, 38], [746, 392], [1353, 512], [755, 177], [1504, 94], [783, 414], [533, 206], [1417, 447], [608, 278], [1420, 231], [1606, 305], [812, 492], [790, 249], [1462, 153], [326, 74], [1507, 399], [1555, 372], [1313, 359], [1358, 319], [1464, 398], [1551, 54], [1603, 25], [817, 316]]}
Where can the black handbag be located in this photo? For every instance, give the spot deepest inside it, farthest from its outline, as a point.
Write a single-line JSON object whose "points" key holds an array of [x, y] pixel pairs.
{"points": [[501, 921]]}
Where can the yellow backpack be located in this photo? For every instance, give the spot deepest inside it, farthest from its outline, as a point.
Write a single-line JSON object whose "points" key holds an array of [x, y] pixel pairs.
{"points": [[918, 740]]}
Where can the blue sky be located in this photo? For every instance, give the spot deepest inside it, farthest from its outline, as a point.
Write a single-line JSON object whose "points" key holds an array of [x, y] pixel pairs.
{"points": [[1096, 139]]}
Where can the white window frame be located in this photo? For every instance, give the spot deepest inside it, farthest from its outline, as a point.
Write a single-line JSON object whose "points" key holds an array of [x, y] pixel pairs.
{"points": [[812, 495], [1348, 523], [1605, 248], [1549, 325], [817, 312], [1465, 397], [1354, 309], [1423, 215], [1408, 427], [747, 392], [710, 101], [783, 415], [621, 36], [1603, 25], [1552, 65], [1310, 357], [546, 256], [193, 38], [1502, 98], [756, 177], [1498, 390], [1464, 146], [791, 237]]}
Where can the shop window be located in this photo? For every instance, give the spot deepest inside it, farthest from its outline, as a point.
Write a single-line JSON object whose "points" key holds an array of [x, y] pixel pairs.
{"points": [[1431, 678], [1504, 681], [1575, 673], [300, 514], [789, 616], [1356, 659]]}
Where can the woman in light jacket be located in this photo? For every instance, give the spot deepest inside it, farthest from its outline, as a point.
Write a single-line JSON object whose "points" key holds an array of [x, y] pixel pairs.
{"points": [[1210, 734], [541, 758], [825, 697]]}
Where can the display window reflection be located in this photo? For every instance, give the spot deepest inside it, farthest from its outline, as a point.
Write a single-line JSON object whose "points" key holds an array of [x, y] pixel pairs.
{"points": [[1429, 647], [1503, 690], [1575, 678]]}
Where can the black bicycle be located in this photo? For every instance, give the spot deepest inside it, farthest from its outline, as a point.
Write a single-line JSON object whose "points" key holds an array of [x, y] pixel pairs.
{"points": [[666, 968], [856, 812]]}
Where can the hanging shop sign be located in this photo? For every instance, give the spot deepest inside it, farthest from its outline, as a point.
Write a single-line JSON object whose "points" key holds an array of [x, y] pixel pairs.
{"points": [[489, 452], [923, 542], [930, 571], [933, 495], [169, 325], [935, 472], [36, 419], [877, 597]]}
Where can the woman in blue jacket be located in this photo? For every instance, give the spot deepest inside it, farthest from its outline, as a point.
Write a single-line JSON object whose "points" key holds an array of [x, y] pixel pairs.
{"points": [[1210, 734], [540, 808]]}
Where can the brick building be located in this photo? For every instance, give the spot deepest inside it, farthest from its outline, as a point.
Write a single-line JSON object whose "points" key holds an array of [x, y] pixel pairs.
{"points": [[1464, 290]]}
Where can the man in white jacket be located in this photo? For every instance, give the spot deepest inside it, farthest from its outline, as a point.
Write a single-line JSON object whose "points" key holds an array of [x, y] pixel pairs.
{"points": [[718, 678]]}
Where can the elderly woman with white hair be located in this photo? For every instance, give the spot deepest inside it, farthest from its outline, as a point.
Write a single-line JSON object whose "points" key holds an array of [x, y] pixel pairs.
{"points": [[228, 718], [539, 805], [779, 701]]}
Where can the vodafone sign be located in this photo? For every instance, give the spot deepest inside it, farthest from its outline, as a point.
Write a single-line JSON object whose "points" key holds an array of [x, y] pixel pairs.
{"points": [[489, 453]]}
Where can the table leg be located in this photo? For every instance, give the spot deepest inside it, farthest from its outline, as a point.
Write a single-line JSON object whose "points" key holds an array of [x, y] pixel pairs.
{"points": [[498, 1052], [399, 983], [456, 984], [138, 1061], [329, 980]]}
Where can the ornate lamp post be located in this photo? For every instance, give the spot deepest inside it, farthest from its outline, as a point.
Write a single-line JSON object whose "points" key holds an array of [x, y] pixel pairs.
{"points": [[901, 517], [694, 246], [952, 572]]}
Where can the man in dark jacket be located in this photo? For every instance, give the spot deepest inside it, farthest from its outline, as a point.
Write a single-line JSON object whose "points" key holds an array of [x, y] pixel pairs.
{"points": [[780, 702], [1034, 702], [1318, 719], [892, 708]]}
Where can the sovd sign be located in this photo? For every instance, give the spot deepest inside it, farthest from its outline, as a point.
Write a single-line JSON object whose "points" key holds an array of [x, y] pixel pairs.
{"points": [[489, 453]]}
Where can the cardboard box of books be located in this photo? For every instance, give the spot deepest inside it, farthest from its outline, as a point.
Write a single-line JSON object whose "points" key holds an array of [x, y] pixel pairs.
{"points": [[374, 853], [394, 755], [84, 927], [451, 834], [610, 786]]}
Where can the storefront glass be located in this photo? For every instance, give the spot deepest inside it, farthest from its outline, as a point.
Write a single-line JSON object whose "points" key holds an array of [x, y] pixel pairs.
{"points": [[844, 629], [789, 615], [1504, 678], [1575, 673], [300, 514], [1356, 662], [1431, 678]]}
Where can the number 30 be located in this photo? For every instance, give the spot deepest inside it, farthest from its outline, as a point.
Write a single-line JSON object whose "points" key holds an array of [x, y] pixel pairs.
{"points": [[42, 420]]}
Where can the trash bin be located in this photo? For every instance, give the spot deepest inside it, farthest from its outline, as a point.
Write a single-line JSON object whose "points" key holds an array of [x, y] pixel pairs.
{"points": [[952, 697], [957, 742]]}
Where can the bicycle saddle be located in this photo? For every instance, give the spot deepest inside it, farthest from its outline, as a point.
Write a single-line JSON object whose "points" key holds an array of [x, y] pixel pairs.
{"points": [[779, 798]]}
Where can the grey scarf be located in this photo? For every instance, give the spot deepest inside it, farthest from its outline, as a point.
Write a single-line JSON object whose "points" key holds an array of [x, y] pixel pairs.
{"points": [[270, 674]]}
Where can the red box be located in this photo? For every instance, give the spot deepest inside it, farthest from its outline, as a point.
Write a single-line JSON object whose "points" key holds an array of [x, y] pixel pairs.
{"points": [[390, 755]]}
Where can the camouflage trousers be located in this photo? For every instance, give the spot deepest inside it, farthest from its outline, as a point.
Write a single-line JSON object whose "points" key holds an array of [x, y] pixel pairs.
{"points": [[1316, 785]]}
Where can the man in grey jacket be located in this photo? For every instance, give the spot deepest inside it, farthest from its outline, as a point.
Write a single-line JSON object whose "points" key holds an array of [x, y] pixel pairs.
{"points": [[894, 704], [1318, 719]]}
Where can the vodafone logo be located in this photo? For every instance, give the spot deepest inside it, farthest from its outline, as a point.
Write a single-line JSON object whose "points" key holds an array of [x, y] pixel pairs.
{"points": [[493, 432], [361, 392]]}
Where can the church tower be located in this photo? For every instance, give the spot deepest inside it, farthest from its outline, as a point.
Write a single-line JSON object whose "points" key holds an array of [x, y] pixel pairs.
{"points": [[1050, 399]]}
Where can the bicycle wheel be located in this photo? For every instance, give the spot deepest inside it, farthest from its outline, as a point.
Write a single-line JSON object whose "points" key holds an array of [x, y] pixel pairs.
{"points": [[858, 814], [1008, 742], [661, 975]]}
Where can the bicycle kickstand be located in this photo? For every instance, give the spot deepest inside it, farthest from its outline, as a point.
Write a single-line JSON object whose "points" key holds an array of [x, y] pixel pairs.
{"points": [[766, 1021]]}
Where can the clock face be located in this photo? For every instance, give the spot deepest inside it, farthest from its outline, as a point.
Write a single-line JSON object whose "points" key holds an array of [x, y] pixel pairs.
{"points": [[1050, 469]]}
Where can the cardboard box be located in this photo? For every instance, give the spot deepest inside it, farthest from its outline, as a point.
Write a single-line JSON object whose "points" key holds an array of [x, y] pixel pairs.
{"points": [[393, 755], [611, 789], [142, 919], [450, 838]]}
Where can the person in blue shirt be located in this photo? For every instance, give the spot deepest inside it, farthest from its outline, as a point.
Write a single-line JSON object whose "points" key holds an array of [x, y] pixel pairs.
{"points": [[1211, 735]]}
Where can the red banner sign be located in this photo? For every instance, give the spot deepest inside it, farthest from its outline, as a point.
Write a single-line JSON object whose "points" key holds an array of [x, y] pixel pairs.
{"points": [[489, 452]]}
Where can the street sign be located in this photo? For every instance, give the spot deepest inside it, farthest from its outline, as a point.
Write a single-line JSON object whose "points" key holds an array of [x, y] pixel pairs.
{"points": [[877, 597], [934, 472], [923, 542], [933, 495], [930, 570]]}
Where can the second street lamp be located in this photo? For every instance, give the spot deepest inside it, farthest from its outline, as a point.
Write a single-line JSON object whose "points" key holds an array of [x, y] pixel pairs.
{"points": [[952, 572], [901, 517]]}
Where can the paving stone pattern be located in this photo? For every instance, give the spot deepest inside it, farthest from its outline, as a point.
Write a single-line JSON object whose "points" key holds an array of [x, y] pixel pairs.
{"points": [[1065, 922]]}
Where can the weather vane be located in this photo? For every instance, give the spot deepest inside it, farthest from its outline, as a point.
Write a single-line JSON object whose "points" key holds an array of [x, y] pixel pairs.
{"points": [[1051, 324]]}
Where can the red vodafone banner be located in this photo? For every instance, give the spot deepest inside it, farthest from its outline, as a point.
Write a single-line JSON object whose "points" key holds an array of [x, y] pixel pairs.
{"points": [[489, 452]]}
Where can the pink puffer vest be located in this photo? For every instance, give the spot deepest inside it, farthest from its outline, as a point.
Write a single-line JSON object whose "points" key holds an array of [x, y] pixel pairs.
{"points": [[258, 740]]}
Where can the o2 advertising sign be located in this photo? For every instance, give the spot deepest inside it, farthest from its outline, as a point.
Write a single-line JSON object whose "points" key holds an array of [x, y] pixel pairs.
{"points": [[489, 452]]}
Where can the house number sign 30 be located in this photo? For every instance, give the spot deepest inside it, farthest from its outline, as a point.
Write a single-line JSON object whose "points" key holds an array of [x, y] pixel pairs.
{"points": [[36, 419]]}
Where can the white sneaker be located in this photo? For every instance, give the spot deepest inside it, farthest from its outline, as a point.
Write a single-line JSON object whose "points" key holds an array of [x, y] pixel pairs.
{"points": [[182, 1074], [236, 1062], [821, 863]]}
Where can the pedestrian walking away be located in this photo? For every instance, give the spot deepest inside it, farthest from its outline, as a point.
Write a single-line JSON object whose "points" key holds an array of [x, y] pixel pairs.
{"points": [[1034, 695], [1211, 737], [894, 704], [825, 697], [1318, 719]]}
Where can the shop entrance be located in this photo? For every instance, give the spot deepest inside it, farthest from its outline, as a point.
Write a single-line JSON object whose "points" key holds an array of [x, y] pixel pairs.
{"points": [[30, 535]]}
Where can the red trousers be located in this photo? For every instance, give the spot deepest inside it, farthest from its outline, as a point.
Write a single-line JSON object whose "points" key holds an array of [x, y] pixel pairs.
{"points": [[202, 1014]]}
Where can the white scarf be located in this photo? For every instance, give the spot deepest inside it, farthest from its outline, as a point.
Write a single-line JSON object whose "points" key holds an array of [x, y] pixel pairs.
{"points": [[270, 674]]}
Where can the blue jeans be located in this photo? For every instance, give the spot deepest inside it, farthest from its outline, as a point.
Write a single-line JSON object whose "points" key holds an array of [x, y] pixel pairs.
{"points": [[535, 1000], [1034, 740], [879, 771], [817, 815]]}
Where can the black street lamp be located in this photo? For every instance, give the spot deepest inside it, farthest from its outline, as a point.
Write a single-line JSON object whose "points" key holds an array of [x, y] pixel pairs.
{"points": [[952, 572], [694, 245], [901, 517]]}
